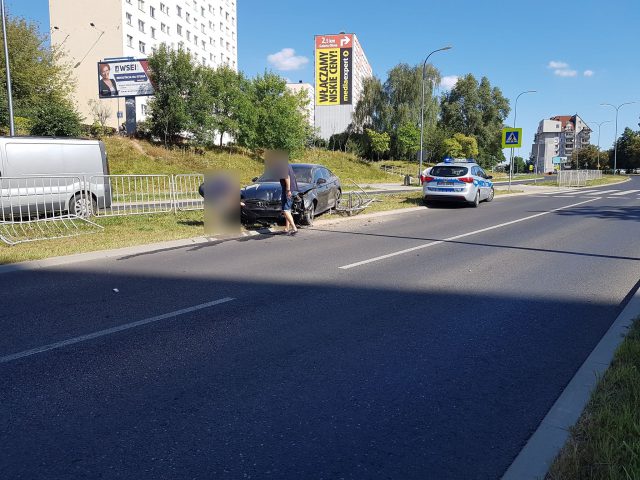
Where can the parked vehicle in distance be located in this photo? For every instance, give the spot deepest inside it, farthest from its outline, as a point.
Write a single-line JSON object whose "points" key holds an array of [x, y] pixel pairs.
{"points": [[44, 176], [457, 180], [319, 190]]}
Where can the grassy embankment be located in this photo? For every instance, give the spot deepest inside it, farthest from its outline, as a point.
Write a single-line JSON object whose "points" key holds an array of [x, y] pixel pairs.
{"points": [[605, 443]]}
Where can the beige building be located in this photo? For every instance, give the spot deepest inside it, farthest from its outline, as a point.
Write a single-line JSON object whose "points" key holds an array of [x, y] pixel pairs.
{"points": [[92, 30], [558, 137], [309, 91]]}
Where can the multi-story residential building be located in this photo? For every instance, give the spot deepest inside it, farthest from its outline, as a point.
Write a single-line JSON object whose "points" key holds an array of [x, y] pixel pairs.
{"points": [[90, 31], [309, 91], [341, 68], [559, 136]]}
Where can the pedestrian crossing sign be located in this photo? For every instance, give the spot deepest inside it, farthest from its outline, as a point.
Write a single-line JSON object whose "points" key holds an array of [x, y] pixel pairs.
{"points": [[511, 137]]}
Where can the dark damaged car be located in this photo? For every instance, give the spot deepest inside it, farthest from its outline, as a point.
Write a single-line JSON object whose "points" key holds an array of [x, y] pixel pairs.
{"points": [[319, 190]]}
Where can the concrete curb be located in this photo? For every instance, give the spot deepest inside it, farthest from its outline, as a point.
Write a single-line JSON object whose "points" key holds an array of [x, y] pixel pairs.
{"points": [[535, 459]]}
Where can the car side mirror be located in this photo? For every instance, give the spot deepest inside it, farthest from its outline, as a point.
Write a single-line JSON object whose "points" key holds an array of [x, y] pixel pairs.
{"points": [[489, 177], [321, 181], [254, 179]]}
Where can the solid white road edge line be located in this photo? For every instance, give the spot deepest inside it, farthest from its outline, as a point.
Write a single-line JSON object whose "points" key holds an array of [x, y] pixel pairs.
{"points": [[457, 237], [109, 331]]}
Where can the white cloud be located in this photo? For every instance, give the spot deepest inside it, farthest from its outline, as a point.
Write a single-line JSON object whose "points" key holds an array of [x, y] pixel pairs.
{"points": [[565, 72], [287, 60], [589, 73], [554, 64], [448, 82], [561, 69]]}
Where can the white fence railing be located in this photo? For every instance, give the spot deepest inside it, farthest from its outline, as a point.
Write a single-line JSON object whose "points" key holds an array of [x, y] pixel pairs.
{"points": [[133, 195], [42, 208], [185, 192], [577, 178]]}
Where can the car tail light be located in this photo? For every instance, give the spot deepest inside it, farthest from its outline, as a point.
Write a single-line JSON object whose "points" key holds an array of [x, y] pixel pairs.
{"points": [[426, 178], [466, 179]]}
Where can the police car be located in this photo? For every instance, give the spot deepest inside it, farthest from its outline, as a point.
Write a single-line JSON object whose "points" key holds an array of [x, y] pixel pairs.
{"points": [[457, 180]]}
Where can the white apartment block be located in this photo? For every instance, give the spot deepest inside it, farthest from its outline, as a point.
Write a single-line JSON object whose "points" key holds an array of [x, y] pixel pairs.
{"points": [[92, 30], [309, 91], [333, 119], [559, 136]]}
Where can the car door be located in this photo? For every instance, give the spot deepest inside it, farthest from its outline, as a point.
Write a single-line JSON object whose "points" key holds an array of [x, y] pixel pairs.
{"points": [[322, 189], [486, 189], [332, 187]]}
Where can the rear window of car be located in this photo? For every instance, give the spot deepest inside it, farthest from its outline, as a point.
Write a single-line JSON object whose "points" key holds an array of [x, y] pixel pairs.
{"points": [[448, 171]]}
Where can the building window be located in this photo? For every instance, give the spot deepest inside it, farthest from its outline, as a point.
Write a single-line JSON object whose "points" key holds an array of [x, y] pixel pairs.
{"points": [[129, 2], [210, 9], [180, 45], [188, 35], [164, 9], [188, 17], [152, 12], [179, 29], [142, 47], [204, 45], [129, 41], [141, 26], [227, 46], [202, 27], [195, 40], [141, 5], [153, 32], [163, 28], [221, 27], [212, 41], [128, 15], [210, 25], [179, 11], [143, 109], [154, 50]]}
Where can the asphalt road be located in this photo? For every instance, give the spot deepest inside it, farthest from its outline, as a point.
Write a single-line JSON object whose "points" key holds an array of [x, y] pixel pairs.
{"points": [[415, 346]]}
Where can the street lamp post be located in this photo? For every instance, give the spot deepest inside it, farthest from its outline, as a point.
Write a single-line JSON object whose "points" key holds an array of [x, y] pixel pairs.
{"points": [[615, 145], [424, 72], [515, 117], [12, 130], [599, 128], [93, 25]]}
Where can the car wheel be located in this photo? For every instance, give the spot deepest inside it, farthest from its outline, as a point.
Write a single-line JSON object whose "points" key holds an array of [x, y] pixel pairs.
{"points": [[492, 194], [309, 215], [82, 207], [476, 200], [338, 197]]}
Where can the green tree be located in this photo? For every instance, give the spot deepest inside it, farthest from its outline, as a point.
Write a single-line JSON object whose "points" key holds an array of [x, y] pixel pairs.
{"points": [[39, 73], [176, 78], [274, 117], [461, 146], [587, 157], [380, 142], [478, 110], [56, 117], [628, 150], [408, 140]]}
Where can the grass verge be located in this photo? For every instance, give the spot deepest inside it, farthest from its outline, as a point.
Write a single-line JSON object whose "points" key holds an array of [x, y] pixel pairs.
{"points": [[605, 180], [605, 443]]}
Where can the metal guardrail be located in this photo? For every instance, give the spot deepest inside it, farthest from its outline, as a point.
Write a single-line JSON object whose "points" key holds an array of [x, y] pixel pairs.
{"points": [[185, 192], [42, 208], [133, 195], [577, 178], [354, 201]]}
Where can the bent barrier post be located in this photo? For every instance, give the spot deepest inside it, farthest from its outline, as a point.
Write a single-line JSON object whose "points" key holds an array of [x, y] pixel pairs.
{"points": [[43, 208]]}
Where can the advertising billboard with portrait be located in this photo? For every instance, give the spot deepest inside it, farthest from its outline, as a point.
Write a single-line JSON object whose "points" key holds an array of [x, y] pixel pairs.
{"points": [[124, 78]]}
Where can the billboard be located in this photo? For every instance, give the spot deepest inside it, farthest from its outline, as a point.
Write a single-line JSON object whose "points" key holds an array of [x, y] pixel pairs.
{"points": [[334, 65], [124, 78]]}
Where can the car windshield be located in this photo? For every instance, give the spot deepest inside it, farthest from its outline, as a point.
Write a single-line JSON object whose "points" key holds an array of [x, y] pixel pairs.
{"points": [[303, 173], [448, 171]]}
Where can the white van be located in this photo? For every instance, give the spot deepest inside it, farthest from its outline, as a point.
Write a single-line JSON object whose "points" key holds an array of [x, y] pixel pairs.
{"points": [[41, 176]]}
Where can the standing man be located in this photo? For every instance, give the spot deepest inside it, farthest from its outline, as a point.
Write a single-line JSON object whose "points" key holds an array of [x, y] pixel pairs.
{"points": [[289, 185]]}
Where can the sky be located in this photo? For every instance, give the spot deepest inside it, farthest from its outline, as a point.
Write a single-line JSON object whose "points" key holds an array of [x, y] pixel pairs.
{"points": [[576, 55]]}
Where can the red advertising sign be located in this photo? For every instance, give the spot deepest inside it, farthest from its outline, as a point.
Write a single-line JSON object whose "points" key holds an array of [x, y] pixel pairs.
{"points": [[344, 40]]}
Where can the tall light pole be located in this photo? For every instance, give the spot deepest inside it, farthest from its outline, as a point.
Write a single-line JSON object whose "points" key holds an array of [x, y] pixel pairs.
{"points": [[615, 145], [599, 128], [57, 29], [424, 73], [93, 25], [12, 130], [515, 117]]}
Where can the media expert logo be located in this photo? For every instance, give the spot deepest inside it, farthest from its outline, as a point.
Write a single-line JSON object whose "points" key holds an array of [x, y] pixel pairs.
{"points": [[334, 64]]}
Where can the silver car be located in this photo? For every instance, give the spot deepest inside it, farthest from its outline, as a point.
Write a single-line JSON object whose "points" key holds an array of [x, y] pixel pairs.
{"points": [[457, 180]]}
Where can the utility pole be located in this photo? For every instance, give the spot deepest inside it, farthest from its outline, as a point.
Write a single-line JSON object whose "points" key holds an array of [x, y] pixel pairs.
{"points": [[12, 130]]}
